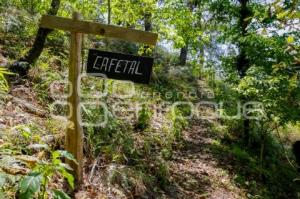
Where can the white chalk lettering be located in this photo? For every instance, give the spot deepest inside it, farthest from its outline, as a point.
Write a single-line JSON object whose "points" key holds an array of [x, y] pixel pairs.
{"points": [[107, 64], [118, 66], [111, 64], [127, 62], [132, 67], [137, 68], [104, 63], [96, 61]]}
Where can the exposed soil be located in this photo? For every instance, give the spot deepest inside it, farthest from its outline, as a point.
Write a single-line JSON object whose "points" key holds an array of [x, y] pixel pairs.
{"points": [[194, 170]]}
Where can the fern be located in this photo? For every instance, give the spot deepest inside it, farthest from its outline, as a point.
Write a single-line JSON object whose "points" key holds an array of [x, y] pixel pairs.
{"points": [[3, 82]]}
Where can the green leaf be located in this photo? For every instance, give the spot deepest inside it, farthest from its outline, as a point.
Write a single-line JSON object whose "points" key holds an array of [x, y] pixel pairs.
{"points": [[26, 195], [2, 179], [67, 155], [290, 39], [57, 194], [5, 71], [2, 194], [65, 166], [68, 176], [55, 155], [30, 184]]}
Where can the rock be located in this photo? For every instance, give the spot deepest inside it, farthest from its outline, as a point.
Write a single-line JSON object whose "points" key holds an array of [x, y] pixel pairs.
{"points": [[2, 126], [20, 68], [49, 138], [38, 147], [3, 61]]}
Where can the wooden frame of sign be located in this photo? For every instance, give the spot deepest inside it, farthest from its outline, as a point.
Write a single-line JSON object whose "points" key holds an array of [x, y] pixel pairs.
{"points": [[77, 27]]}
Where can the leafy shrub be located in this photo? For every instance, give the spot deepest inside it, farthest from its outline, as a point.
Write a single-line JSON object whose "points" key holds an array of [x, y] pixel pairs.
{"points": [[37, 181], [144, 118], [132, 180], [38, 174], [179, 122]]}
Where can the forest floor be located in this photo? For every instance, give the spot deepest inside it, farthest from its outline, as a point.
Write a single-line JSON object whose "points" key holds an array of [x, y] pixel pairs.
{"points": [[199, 169], [196, 169]]}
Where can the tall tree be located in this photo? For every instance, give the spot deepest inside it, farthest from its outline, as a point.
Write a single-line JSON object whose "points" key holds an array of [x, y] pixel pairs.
{"points": [[184, 50], [260, 63], [23, 65], [108, 11], [242, 64], [180, 20], [244, 14], [183, 54]]}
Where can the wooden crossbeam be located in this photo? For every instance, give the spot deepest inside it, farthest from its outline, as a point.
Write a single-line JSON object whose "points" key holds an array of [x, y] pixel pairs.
{"points": [[54, 22], [77, 27]]}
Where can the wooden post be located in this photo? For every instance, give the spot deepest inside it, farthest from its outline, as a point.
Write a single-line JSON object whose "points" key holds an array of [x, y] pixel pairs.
{"points": [[77, 27], [74, 137]]}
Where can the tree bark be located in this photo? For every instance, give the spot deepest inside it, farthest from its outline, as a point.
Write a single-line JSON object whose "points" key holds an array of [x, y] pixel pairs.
{"points": [[23, 65], [108, 12], [201, 61], [183, 55], [147, 27], [242, 60], [184, 50], [147, 22]]}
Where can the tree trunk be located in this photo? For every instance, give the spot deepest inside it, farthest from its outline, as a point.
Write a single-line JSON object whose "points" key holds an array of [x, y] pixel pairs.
{"points": [[246, 131], [106, 40], [242, 61], [147, 22], [23, 65], [183, 55], [147, 27], [184, 50], [108, 12], [201, 61]]}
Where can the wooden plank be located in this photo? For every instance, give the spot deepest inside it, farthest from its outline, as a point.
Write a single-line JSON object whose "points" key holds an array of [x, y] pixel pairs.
{"points": [[74, 137], [54, 22]]}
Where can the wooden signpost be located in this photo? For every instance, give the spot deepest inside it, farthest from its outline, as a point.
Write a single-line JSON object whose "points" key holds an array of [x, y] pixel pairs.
{"points": [[124, 67]]}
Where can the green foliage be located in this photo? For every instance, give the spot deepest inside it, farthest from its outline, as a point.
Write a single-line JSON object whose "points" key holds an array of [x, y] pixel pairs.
{"points": [[240, 154], [23, 135], [179, 122], [37, 181], [110, 140], [269, 49], [40, 173], [144, 118], [135, 11], [271, 77], [7, 181], [30, 185], [57, 194], [131, 180], [162, 174], [270, 46], [3, 82]]}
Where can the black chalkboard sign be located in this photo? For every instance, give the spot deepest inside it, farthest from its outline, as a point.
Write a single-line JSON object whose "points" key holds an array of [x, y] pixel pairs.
{"points": [[119, 66]]}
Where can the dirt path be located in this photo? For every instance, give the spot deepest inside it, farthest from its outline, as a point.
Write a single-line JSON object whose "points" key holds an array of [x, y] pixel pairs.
{"points": [[195, 170]]}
